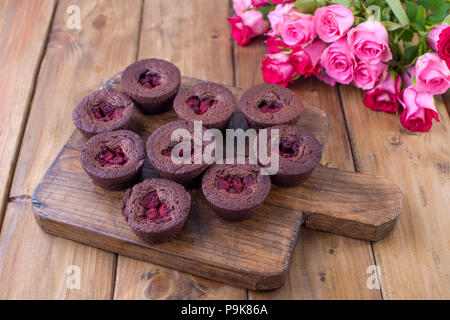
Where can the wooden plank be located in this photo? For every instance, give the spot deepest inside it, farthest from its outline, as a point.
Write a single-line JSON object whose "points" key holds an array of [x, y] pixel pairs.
{"points": [[195, 36], [23, 35], [414, 259], [327, 266], [32, 263]]}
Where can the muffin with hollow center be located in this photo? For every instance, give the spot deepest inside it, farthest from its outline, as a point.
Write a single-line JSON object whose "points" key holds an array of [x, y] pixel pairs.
{"points": [[299, 153], [235, 191], [152, 84], [102, 111], [114, 160], [156, 209], [160, 148], [211, 103], [266, 105]]}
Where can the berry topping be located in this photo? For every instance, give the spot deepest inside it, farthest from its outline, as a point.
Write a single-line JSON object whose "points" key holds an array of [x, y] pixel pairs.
{"points": [[149, 79], [106, 112], [200, 106], [108, 157], [154, 209], [270, 107], [235, 184]]}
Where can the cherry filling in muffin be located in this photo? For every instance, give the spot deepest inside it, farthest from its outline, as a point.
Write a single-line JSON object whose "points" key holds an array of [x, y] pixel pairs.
{"points": [[149, 79], [108, 157], [168, 151], [200, 106], [235, 184], [270, 107], [154, 209], [289, 149], [106, 112]]}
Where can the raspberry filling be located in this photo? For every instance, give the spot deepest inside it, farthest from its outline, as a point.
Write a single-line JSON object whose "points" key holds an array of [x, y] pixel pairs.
{"points": [[108, 157], [270, 107], [289, 149], [149, 79], [200, 106], [235, 184], [106, 112], [154, 209], [168, 151]]}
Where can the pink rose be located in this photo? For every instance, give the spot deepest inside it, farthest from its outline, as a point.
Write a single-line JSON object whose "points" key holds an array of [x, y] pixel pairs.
{"points": [[240, 6], [322, 76], [366, 74], [248, 25], [369, 42], [259, 3], [298, 30], [419, 110], [240, 32], [274, 44], [338, 61], [277, 69], [432, 74], [444, 46], [385, 96], [278, 15], [333, 22], [306, 61], [433, 36]]}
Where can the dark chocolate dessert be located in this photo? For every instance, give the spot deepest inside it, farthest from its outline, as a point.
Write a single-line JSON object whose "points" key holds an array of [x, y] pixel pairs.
{"points": [[114, 160], [156, 209], [102, 111], [235, 191], [299, 153], [152, 84], [267, 105], [159, 151], [209, 102]]}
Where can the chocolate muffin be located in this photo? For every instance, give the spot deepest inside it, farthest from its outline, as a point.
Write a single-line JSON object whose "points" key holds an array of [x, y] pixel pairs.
{"points": [[299, 153], [102, 111], [209, 102], [152, 84], [114, 160], [235, 191], [156, 209], [159, 152], [267, 105]]}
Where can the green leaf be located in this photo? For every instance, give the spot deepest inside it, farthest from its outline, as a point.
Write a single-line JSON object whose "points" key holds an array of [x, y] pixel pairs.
{"points": [[398, 11], [347, 3], [391, 26], [447, 20], [432, 4], [265, 10], [420, 18], [308, 6], [411, 10], [411, 52]]}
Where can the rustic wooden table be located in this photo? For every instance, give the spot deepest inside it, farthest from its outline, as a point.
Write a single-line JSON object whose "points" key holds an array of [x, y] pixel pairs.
{"points": [[47, 67]]}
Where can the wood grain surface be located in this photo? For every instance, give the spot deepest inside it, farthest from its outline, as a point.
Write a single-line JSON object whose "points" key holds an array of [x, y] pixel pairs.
{"points": [[32, 263], [22, 49], [418, 252], [253, 254], [195, 35], [324, 266]]}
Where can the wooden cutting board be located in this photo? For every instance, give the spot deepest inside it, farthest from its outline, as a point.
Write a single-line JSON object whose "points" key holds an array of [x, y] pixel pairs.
{"points": [[253, 254]]}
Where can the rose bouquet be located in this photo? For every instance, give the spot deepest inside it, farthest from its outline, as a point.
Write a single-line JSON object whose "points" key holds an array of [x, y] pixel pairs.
{"points": [[398, 51]]}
